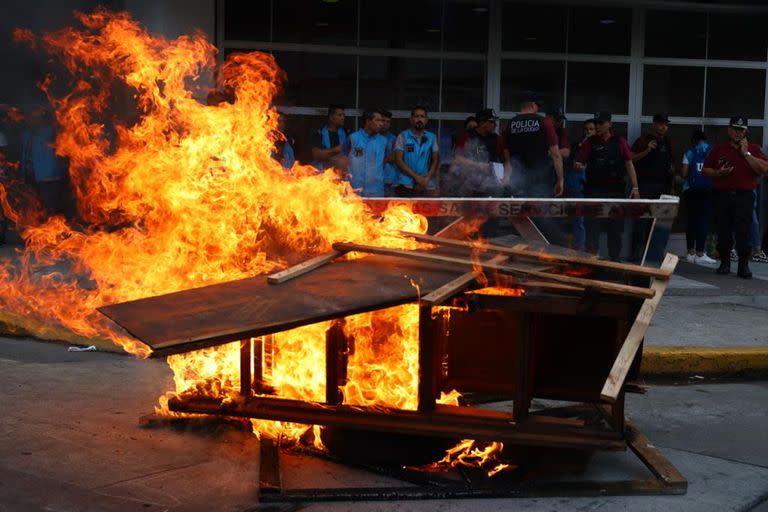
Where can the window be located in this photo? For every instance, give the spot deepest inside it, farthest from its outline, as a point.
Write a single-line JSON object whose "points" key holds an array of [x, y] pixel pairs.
{"points": [[597, 86], [463, 86], [738, 37], [686, 30], [600, 30], [735, 92], [401, 24], [314, 21], [398, 84], [531, 27], [676, 90], [247, 21], [546, 78], [316, 80], [466, 26]]}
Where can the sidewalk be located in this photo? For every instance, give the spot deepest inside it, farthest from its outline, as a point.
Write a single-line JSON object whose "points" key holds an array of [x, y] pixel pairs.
{"points": [[708, 323]]}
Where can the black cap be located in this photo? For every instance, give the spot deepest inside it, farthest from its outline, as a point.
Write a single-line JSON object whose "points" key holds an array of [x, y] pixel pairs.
{"points": [[531, 97], [739, 122], [660, 118], [485, 115], [559, 114], [602, 115]]}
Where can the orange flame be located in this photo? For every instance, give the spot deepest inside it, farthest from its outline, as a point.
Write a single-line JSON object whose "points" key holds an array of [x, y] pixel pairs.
{"points": [[186, 195]]}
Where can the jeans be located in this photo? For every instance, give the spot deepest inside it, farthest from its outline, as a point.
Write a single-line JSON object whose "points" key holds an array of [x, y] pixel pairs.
{"points": [[699, 205], [613, 227], [578, 230]]}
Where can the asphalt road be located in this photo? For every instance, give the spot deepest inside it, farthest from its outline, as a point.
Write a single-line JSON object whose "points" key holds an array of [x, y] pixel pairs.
{"points": [[71, 442]]}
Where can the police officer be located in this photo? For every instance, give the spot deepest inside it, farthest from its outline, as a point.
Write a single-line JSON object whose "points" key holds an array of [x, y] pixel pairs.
{"points": [[367, 152], [734, 167], [532, 150], [478, 157], [329, 143], [418, 157], [609, 161], [653, 157], [390, 167]]}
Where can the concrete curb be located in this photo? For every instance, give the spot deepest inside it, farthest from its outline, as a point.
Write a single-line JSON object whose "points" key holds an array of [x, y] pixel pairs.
{"points": [[691, 360]]}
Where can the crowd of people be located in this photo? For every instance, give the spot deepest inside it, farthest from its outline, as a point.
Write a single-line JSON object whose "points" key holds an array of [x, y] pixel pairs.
{"points": [[530, 156]]}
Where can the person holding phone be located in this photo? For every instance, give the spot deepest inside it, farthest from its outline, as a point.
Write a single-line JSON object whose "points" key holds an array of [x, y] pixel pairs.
{"points": [[734, 167]]}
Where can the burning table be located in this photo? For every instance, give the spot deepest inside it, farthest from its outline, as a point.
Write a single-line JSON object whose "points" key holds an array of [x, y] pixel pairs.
{"points": [[518, 321]]}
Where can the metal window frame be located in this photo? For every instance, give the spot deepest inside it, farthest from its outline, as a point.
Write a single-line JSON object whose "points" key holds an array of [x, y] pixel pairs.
{"points": [[494, 57]]}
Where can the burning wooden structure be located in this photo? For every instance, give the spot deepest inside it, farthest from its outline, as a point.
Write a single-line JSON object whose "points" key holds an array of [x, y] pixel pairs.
{"points": [[554, 325]]}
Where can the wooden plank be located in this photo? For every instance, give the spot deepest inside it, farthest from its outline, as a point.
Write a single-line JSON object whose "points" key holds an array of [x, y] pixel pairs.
{"points": [[269, 466], [601, 286], [439, 423], [653, 459], [521, 251], [303, 267], [246, 358], [617, 376], [428, 360], [227, 312], [450, 289]]}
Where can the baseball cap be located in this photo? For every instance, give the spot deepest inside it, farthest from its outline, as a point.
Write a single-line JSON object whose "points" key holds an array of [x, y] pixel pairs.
{"points": [[602, 116], [739, 122], [486, 114], [660, 118]]}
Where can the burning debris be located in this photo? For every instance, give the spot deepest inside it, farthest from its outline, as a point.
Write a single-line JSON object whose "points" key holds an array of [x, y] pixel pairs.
{"points": [[184, 204]]}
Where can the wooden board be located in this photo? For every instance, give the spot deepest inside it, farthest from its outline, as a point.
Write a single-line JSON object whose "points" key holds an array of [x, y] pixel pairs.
{"points": [[221, 313], [620, 370]]}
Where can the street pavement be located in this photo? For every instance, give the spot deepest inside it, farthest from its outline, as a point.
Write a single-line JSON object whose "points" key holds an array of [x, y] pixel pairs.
{"points": [[71, 441]]}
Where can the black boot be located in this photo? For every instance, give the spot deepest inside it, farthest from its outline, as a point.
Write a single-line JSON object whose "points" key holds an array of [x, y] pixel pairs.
{"points": [[744, 271], [725, 267]]}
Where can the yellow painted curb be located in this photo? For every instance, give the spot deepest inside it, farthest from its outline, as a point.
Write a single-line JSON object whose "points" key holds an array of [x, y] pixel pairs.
{"points": [[703, 360]]}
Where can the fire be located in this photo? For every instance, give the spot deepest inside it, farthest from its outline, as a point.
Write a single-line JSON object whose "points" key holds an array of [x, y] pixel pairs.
{"points": [[470, 453], [187, 195], [184, 195], [176, 194]]}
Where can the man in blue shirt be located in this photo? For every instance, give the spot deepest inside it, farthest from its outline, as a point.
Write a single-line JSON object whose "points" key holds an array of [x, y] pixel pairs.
{"points": [[417, 155], [40, 166], [390, 169], [330, 144], [366, 157]]}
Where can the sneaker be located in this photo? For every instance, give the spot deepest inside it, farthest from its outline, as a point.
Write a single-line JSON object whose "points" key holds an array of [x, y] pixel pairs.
{"points": [[705, 260], [760, 257], [690, 258], [734, 256]]}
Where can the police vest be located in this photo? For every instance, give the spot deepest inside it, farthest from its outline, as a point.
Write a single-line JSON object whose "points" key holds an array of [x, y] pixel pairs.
{"points": [[605, 167], [654, 167], [325, 140], [527, 141]]}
